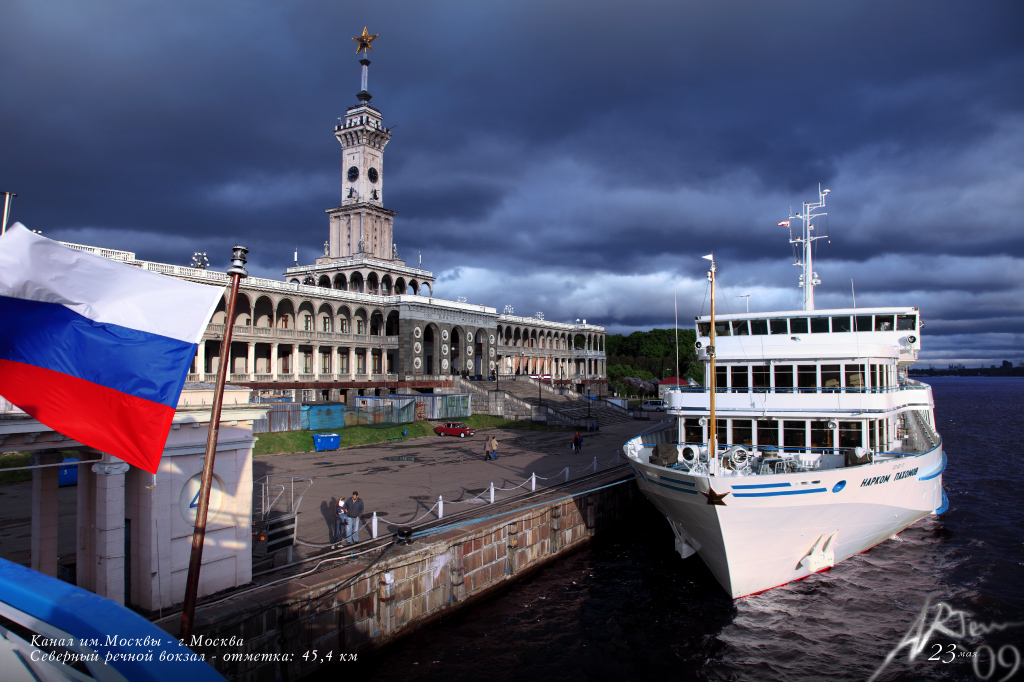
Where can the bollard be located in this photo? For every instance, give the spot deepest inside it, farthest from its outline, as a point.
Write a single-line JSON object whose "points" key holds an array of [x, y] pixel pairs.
{"points": [[373, 527], [492, 492], [566, 474], [440, 507], [595, 465], [533, 482]]}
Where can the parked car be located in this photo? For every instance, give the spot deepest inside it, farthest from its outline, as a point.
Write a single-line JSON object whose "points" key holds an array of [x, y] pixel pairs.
{"points": [[454, 429], [653, 405]]}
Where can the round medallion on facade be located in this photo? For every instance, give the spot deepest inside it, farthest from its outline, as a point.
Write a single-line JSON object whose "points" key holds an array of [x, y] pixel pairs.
{"points": [[188, 500], [491, 337], [417, 363], [444, 334], [491, 352], [416, 347], [469, 350], [469, 365], [417, 332], [444, 364], [492, 364], [444, 349], [469, 337]]}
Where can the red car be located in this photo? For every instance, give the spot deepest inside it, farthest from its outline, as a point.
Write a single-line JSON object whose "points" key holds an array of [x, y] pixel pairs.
{"points": [[454, 429]]}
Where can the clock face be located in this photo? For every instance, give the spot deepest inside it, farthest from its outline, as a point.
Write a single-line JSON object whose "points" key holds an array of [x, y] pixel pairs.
{"points": [[372, 174], [353, 174]]}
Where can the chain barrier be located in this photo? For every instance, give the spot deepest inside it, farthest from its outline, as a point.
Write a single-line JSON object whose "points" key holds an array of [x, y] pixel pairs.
{"points": [[439, 505]]}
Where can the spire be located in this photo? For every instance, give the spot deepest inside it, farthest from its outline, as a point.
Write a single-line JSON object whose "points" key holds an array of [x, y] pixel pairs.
{"points": [[363, 95], [365, 43]]}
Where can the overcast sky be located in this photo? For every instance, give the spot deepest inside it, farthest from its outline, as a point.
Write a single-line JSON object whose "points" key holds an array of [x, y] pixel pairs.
{"points": [[570, 157]]}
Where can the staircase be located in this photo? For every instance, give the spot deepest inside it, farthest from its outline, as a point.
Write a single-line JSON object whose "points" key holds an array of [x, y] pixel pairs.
{"points": [[569, 409]]}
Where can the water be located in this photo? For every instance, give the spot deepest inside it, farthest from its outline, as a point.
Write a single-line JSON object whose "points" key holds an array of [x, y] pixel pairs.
{"points": [[628, 608]]}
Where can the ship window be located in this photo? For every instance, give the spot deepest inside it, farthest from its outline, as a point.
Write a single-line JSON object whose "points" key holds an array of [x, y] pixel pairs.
{"points": [[722, 329], [819, 325], [779, 326], [849, 435], [884, 323], [906, 323], [794, 433], [798, 325], [863, 323], [721, 380], [854, 377], [873, 434], [783, 377], [742, 433], [762, 378], [807, 377], [739, 328], [722, 429], [704, 328], [767, 433], [759, 327], [830, 377], [694, 432], [821, 436], [841, 324], [874, 378], [740, 381]]}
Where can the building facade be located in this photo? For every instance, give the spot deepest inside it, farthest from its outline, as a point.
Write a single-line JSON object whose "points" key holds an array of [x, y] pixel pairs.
{"points": [[360, 321]]}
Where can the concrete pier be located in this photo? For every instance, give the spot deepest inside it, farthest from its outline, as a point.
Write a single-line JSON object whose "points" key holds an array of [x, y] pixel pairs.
{"points": [[357, 599]]}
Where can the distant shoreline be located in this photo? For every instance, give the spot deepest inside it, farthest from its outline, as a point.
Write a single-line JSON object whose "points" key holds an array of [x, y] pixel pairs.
{"points": [[976, 372]]}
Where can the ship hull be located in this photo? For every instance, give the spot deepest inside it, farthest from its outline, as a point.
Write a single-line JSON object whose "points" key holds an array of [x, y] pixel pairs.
{"points": [[766, 531]]}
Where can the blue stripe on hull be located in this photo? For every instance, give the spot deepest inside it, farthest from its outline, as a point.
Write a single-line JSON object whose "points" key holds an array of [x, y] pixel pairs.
{"points": [[776, 493]]}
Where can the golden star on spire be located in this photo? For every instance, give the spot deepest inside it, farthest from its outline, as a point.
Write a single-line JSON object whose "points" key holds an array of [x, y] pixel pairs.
{"points": [[364, 41]]}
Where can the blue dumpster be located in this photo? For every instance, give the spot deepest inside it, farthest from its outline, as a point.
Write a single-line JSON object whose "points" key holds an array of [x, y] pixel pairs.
{"points": [[68, 475], [326, 441]]}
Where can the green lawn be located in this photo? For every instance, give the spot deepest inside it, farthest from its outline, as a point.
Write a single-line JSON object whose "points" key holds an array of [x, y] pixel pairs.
{"points": [[287, 442], [15, 459]]}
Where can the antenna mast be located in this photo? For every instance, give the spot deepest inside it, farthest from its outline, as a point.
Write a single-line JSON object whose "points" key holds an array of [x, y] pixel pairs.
{"points": [[809, 278]]}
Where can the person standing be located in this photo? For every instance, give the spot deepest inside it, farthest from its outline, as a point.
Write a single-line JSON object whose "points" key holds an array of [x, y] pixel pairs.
{"points": [[576, 443], [494, 447], [487, 448], [353, 510], [339, 522]]}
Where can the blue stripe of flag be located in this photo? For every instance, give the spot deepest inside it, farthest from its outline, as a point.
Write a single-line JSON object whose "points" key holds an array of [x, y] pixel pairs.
{"points": [[53, 337]]}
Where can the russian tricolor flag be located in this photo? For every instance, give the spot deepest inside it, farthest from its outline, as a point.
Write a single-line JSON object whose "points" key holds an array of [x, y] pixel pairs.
{"points": [[96, 350]]}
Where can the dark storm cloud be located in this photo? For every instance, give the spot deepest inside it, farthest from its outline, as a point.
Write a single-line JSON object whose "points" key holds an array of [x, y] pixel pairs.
{"points": [[576, 158]]}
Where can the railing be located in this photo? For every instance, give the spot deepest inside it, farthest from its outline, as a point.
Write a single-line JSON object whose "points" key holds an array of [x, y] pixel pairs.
{"points": [[216, 331], [263, 377], [802, 389]]}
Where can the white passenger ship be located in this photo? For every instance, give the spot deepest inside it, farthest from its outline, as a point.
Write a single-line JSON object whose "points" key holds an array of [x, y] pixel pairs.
{"points": [[807, 445]]}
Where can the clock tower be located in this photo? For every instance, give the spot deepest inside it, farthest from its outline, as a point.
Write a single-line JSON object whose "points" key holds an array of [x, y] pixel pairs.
{"points": [[360, 253], [361, 226]]}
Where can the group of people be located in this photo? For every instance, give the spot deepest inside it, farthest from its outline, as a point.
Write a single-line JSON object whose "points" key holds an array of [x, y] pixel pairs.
{"points": [[577, 442], [490, 448], [346, 520]]}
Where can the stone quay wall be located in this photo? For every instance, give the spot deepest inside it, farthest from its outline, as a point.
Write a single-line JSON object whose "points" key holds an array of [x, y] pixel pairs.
{"points": [[297, 627]]}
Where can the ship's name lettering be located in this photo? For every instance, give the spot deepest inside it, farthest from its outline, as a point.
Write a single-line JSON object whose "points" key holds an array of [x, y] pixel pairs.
{"points": [[906, 474], [875, 480]]}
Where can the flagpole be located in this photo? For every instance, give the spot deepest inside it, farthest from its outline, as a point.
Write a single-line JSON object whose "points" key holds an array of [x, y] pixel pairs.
{"points": [[237, 272]]}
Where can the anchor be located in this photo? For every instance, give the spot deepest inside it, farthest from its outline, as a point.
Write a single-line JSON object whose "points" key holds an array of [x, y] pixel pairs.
{"points": [[822, 554]]}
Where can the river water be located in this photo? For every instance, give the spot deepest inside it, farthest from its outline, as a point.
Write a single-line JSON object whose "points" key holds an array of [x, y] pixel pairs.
{"points": [[628, 608]]}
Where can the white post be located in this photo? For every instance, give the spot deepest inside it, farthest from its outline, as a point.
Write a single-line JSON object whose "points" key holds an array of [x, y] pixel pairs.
{"points": [[373, 526], [595, 464], [440, 507], [566, 474], [533, 482], [492, 492]]}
